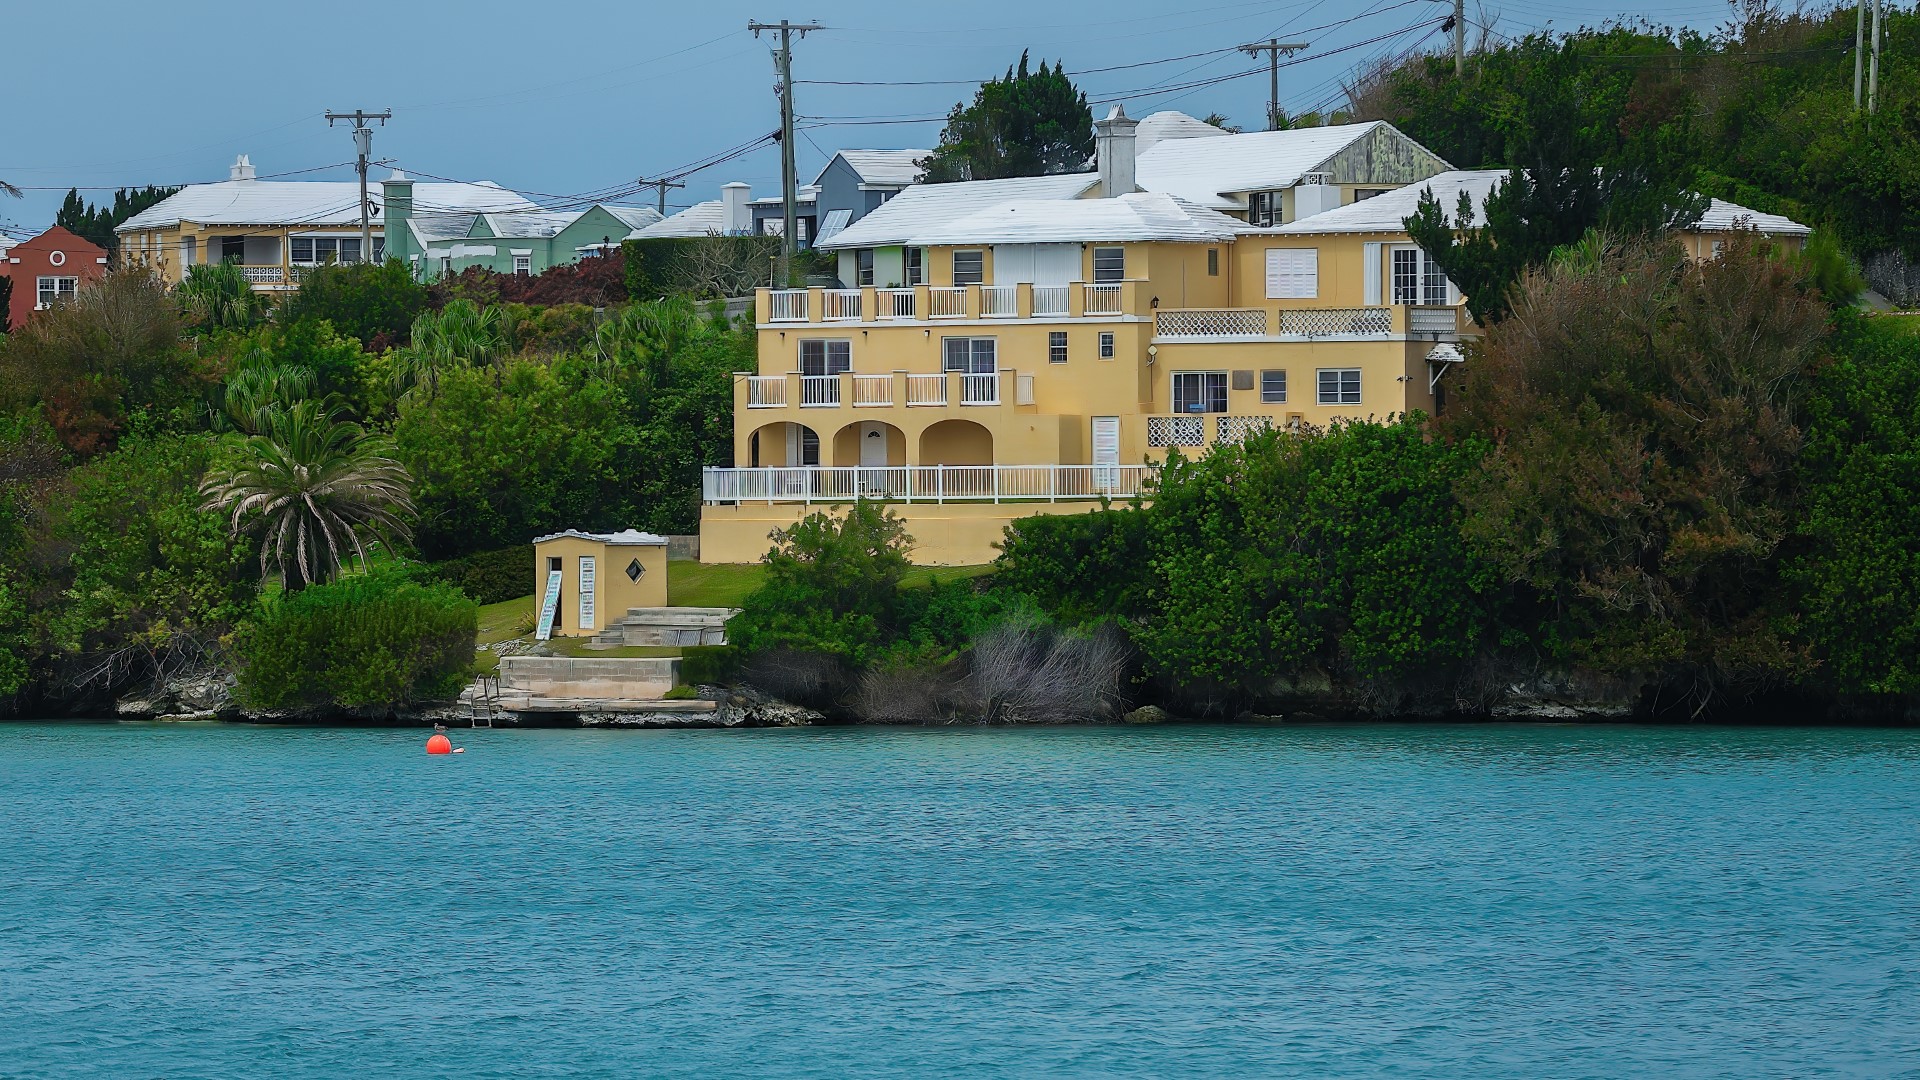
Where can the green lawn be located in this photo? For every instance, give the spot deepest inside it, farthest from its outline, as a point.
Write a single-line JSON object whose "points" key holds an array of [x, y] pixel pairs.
{"points": [[696, 584]]}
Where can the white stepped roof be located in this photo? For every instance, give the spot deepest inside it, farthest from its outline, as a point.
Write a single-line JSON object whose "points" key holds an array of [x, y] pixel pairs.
{"points": [[1218, 172], [309, 202], [431, 228], [635, 217], [1724, 216], [926, 207], [1156, 128], [623, 538], [701, 219], [890, 168], [802, 193], [1135, 217]]}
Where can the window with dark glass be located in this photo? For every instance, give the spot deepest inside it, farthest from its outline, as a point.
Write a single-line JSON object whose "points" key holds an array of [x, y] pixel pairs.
{"points": [[969, 356], [1109, 264], [1417, 279], [1273, 387], [863, 266], [969, 267], [1213, 262], [1263, 209], [1339, 386], [825, 357], [1106, 344], [1056, 346], [916, 266], [1199, 391]]}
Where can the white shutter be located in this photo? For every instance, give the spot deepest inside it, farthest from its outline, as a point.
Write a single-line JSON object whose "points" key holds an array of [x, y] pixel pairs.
{"points": [[1293, 273], [1106, 440], [1013, 264], [1372, 258], [1054, 265], [588, 617]]}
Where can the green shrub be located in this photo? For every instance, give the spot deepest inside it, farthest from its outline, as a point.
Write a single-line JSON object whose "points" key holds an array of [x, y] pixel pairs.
{"points": [[1080, 566], [708, 665], [488, 577], [375, 303], [369, 643], [699, 266], [832, 587]]}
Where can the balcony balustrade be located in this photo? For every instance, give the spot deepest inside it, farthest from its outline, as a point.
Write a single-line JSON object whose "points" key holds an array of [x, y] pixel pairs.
{"points": [[819, 391], [894, 303], [979, 389], [1101, 299], [947, 302], [1052, 300], [926, 483], [999, 301], [787, 305], [872, 391], [766, 391], [840, 305], [927, 390]]}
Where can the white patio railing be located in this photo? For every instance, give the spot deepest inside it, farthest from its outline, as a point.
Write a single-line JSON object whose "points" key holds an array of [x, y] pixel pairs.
{"points": [[926, 390], [264, 275], [999, 301], [840, 305], [1051, 300], [979, 389], [787, 305], [766, 391], [1211, 323], [1433, 320], [925, 483], [1336, 322], [819, 391], [893, 303], [872, 391], [947, 302], [1176, 431], [1101, 299]]}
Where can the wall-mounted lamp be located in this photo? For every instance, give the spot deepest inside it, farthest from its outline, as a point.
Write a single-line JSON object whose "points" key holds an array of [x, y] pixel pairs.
{"points": [[1155, 303], [1152, 351]]}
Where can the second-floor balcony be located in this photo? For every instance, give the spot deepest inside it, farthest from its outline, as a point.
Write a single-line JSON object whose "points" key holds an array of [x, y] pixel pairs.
{"points": [[862, 390], [1294, 323], [928, 303]]}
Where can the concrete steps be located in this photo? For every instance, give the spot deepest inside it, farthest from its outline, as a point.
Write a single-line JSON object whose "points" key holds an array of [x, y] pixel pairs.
{"points": [[666, 627]]}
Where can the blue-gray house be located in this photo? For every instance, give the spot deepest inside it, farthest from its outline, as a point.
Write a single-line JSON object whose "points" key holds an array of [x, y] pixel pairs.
{"points": [[853, 184]]}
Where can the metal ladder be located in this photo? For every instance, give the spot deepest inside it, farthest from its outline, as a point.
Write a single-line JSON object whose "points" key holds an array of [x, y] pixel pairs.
{"points": [[482, 703]]}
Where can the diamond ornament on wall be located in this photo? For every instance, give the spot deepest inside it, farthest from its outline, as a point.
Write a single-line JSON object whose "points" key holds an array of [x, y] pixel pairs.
{"points": [[634, 570]]}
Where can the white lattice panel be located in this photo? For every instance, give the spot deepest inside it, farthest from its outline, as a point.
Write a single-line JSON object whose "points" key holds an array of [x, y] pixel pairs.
{"points": [[1236, 428], [1336, 322], [1223, 322], [1176, 430]]}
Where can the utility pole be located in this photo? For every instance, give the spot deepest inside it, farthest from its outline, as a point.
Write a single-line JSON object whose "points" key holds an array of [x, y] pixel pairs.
{"points": [[1873, 64], [1459, 38], [662, 185], [362, 151], [1273, 47], [1859, 49], [783, 62]]}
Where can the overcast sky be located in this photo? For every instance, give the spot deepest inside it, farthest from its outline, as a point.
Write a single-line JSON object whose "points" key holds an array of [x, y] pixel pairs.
{"points": [[563, 98]]}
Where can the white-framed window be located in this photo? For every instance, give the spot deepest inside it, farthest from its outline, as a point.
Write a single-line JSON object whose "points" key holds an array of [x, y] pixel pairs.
{"points": [[863, 266], [1056, 346], [800, 230], [1273, 387], [1199, 391], [1339, 386], [970, 355], [321, 250], [969, 267], [1293, 273], [50, 290], [1106, 344], [916, 266], [189, 250], [1417, 279], [1264, 209], [1109, 264], [523, 265], [446, 266], [825, 356]]}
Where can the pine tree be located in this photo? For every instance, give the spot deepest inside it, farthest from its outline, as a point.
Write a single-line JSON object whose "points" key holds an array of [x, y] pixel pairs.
{"points": [[1030, 123]]}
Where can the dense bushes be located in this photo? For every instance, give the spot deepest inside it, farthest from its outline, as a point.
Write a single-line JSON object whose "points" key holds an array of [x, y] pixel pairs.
{"points": [[489, 577], [700, 267], [369, 643], [373, 302]]}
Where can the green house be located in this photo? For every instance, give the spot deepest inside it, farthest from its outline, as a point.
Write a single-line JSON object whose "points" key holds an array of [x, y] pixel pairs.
{"points": [[440, 241]]}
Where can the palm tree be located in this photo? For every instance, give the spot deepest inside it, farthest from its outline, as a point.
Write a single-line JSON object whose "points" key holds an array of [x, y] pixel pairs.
{"points": [[314, 487], [218, 295], [259, 391], [462, 333]]}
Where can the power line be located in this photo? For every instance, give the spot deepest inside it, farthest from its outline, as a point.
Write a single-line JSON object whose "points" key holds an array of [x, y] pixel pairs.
{"points": [[783, 61]]}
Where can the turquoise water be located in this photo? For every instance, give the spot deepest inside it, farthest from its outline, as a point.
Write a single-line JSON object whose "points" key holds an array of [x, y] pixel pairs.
{"points": [[188, 901]]}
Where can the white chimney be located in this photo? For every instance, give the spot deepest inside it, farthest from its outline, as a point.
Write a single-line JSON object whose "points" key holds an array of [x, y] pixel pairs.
{"points": [[1315, 194], [1113, 150], [735, 218], [242, 169]]}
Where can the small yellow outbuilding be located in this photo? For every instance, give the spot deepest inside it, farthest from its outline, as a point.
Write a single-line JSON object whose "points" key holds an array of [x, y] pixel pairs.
{"points": [[584, 582]]}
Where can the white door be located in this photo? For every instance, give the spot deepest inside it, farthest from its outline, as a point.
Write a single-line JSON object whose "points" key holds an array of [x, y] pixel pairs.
{"points": [[1012, 264], [873, 445], [1055, 264], [1106, 452]]}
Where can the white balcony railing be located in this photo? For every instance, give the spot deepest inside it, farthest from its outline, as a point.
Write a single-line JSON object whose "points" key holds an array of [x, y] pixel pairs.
{"points": [[841, 305], [1051, 300], [999, 301], [872, 391], [787, 305], [947, 302], [1211, 323], [1433, 320], [926, 483], [766, 391], [1336, 322], [1176, 431], [264, 275], [979, 389], [1101, 299], [819, 391], [926, 390], [894, 303], [1236, 428]]}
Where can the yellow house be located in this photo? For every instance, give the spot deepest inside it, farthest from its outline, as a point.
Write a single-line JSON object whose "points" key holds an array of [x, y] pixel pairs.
{"points": [[600, 577], [1049, 350], [275, 230]]}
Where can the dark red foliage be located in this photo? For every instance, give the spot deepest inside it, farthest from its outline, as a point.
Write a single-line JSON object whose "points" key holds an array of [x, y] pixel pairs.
{"points": [[597, 281]]}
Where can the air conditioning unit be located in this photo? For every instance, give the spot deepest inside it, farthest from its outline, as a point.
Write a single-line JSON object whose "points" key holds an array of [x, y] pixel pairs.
{"points": [[1315, 194]]}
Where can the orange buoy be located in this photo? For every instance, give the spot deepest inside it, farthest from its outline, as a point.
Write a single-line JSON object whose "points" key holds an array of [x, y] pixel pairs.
{"points": [[439, 744]]}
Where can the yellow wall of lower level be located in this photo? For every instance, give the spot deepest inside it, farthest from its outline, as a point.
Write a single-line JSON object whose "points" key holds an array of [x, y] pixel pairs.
{"points": [[953, 534]]}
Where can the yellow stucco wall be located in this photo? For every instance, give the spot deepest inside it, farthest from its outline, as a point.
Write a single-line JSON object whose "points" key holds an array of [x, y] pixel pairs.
{"points": [[954, 534], [613, 593]]}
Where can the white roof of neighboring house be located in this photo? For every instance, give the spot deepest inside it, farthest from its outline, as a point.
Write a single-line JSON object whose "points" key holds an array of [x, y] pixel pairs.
{"points": [[310, 202], [701, 219], [431, 228], [1726, 217], [636, 217], [1387, 211], [804, 193], [624, 538], [1218, 172], [925, 207], [882, 168], [1155, 128], [1145, 215]]}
